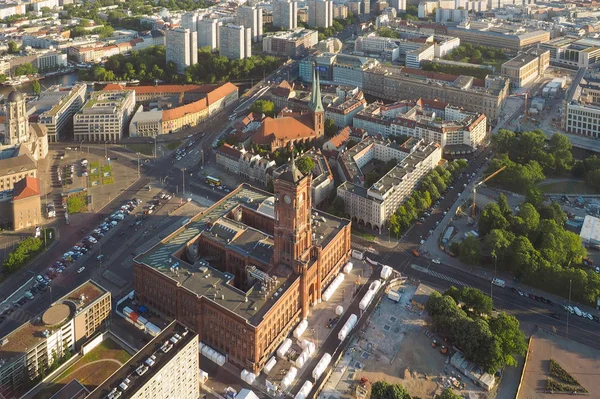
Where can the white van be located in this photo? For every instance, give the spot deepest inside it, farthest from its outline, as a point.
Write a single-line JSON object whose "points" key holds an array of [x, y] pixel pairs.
{"points": [[577, 311], [499, 283]]}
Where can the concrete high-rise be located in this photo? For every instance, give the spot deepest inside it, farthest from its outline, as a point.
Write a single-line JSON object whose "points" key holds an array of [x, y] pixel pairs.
{"points": [[320, 13], [189, 20], [285, 14], [182, 48], [208, 33], [235, 42], [251, 17]]}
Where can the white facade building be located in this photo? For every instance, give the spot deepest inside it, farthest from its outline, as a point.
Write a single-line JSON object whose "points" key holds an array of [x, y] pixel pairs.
{"points": [[320, 13], [235, 42], [182, 48], [285, 14], [105, 116], [60, 108], [208, 33], [251, 17], [373, 206]]}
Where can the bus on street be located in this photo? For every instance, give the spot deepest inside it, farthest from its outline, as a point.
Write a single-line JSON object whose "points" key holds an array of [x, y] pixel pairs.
{"points": [[213, 181]]}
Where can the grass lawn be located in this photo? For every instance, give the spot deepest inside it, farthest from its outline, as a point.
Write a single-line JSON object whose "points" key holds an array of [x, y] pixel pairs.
{"points": [[142, 148], [77, 203], [173, 145], [567, 187], [94, 174], [90, 375], [107, 179], [363, 235]]}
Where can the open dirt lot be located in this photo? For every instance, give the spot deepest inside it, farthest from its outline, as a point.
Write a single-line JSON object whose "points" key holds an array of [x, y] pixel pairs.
{"points": [[582, 362], [416, 366]]}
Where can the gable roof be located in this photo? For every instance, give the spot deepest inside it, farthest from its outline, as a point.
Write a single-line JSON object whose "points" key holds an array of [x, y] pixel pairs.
{"points": [[284, 128], [25, 188], [342, 137], [176, 113]]}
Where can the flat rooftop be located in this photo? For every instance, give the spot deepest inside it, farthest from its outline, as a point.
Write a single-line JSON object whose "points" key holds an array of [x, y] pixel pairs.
{"points": [[30, 334], [204, 278], [152, 348]]}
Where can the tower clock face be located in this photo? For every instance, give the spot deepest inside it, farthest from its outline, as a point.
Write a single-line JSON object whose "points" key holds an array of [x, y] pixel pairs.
{"points": [[287, 199]]}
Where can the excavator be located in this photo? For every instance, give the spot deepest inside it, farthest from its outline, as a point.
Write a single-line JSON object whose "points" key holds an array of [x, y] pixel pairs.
{"points": [[471, 219]]}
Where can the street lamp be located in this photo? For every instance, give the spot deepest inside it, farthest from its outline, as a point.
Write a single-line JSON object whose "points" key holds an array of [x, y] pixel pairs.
{"points": [[138, 155], [105, 150], [316, 334], [183, 182], [568, 311]]}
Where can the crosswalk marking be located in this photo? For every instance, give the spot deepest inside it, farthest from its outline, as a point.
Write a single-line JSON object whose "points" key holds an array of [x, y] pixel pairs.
{"points": [[438, 275]]}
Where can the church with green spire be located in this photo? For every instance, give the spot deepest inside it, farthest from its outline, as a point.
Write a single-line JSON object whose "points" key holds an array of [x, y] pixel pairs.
{"points": [[290, 126]]}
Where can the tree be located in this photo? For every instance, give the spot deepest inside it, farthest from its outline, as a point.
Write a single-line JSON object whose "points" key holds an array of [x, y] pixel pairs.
{"points": [[36, 87], [25, 69], [330, 128], [511, 339], [448, 393], [469, 250], [476, 301], [530, 217], [534, 196], [497, 242], [491, 218], [305, 164], [263, 107], [504, 207], [384, 390], [13, 47], [553, 212], [453, 293], [270, 186]]}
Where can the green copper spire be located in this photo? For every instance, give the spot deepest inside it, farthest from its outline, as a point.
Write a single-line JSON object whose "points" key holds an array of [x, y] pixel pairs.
{"points": [[315, 100]]}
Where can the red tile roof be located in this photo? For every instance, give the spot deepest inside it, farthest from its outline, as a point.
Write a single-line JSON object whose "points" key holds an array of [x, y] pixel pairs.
{"points": [[341, 138], [25, 188], [220, 92], [435, 104], [229, 151], [285, 128], [176, 113]]}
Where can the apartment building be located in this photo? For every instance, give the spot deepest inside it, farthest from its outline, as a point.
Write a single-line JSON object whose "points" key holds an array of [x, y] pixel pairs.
{"points": [[105, 116], [322, 184], [208, 33], [476, 95], [381, 47], [293, 43], [182, 48], [527, 67], [343, 112], [57, 109], [51, 61], [166, 367], [443, 15], [235, 42], [65, 324], [573, 52], [457, 131], [285, 14], [251, 17], [320, 13], [373, 206], [340, 11]]}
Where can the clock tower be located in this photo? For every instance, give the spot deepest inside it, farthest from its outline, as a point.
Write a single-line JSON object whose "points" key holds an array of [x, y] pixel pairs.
{"points": [[292, 230]]}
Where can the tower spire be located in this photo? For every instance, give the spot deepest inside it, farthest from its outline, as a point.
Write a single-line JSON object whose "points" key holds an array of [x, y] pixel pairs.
{"points": [[315, 100]]}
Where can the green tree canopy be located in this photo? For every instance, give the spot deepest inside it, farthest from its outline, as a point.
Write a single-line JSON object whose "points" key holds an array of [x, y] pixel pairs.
{"points": [[263, 107], [492, 218], [13, 47], [330, 128], [305, 164]]}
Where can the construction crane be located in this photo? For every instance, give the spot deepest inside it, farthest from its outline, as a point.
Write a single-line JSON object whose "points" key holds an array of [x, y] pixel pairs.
{"points": [[475, 186]]}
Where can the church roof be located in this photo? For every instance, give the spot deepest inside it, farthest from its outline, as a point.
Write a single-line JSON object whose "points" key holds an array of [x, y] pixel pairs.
{"points": [[25, 188], [285, 128]]}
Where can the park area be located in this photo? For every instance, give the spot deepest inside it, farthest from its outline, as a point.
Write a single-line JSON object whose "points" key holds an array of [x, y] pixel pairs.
{"points": [[566, 186], [92, 369], [100, 174], [77, 202]]}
